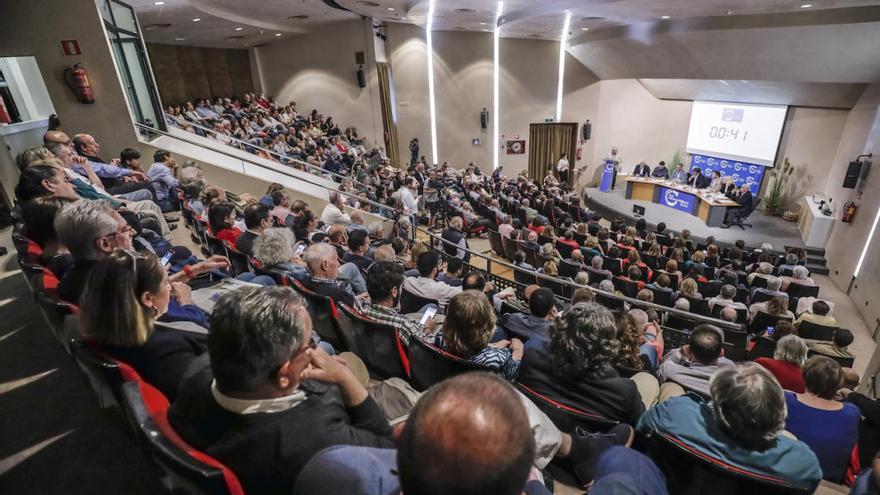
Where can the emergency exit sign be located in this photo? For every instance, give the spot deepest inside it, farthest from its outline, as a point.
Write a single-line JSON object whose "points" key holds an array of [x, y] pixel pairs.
{"points": [[70, 48]]}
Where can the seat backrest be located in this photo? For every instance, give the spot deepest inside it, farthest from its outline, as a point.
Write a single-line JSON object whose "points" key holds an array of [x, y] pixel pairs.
{"points": [[523, 277], [430, 365], [411, 303], [801, 290], [564, 249], [763, 320], [764, 347], [690, 471], [612, 265], [378, 345], [496, 243], [760, 282], [215, 245], [188, 470], [810, 330], [698, 306], [626, 287], [565, 417], [609, 302], [239, 261], [761, 296], [568, 269], [673, 338], [510, 247], [324, 315], [662, 297], [104, 374]]}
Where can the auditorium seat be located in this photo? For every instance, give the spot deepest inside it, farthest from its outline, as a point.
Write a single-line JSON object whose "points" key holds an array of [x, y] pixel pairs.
{"points": [[430, 365], [612, 265], [567, 418], [325, 316], [801, 290], [742, 314], [377, 344], [239, 262], [763, 320], [185, 469], [764, 347], [698, 306], [568, 269], [104, 374], [626, 287], [496, 243], [663, 297], [510, 247], [810, 330], [564, 249], [411, 303], [524, 277], [691, 472]]}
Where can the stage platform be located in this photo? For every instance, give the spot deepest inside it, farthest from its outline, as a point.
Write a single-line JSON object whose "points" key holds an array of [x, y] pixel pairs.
{"points": [[765, 228]]}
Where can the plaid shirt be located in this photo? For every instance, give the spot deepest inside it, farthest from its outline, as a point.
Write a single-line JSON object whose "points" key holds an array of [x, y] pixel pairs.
{"points": [[405, 327]]}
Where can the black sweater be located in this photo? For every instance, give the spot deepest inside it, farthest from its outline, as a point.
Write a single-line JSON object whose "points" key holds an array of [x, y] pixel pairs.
{"points": [[267, 450]]}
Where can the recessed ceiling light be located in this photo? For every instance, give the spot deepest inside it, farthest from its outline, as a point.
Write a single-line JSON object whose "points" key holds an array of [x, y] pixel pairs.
{"points": [[158, 3], [179, 39], [238, 29], [234, 38], [664, 17], [390, 8], [585, 29], [806, 5], [482, 24], [277, 34], [197, 19], [367, 3], [593, 18]]}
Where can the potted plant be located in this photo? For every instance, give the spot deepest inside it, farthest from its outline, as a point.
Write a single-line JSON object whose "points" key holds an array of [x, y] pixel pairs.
{"points": [[778, 191], [677, 158]]}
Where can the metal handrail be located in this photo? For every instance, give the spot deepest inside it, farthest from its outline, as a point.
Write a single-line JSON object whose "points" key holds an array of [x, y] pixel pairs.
{"points": [[644, 304], [273, 153], [362, 199]]}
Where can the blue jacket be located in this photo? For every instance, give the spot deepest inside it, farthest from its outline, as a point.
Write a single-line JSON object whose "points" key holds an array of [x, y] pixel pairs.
{"points": [[692, 421]]}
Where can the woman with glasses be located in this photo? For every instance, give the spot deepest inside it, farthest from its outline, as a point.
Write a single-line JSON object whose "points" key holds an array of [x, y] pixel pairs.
{"points": [[125, 295]]}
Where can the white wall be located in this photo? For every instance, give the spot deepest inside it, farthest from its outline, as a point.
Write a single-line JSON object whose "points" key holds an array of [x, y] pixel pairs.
{"points": [[26, 84]]}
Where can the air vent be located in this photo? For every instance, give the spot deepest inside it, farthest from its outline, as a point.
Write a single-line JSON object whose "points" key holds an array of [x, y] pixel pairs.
{"points": [[367, 3], [459, 27], [465, 11], [298, 17], [156, 27], [593, 18], [234, 38]]}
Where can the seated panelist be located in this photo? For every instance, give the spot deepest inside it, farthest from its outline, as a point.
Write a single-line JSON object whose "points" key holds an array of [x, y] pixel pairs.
{"points": [[697, 179], [642, 170], [660, 171]]}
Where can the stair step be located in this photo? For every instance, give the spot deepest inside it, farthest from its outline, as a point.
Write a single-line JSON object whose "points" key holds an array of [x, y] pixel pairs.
{"points": [[821, 270]]}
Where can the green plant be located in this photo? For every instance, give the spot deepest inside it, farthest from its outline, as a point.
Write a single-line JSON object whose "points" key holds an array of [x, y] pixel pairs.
{"points": [[677, 158], [778, 191]]}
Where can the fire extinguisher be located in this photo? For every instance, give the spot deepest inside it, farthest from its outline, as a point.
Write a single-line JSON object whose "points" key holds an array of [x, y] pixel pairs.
{"points": [[77, 79], [4, 115], [849, 211], [580, 153]]}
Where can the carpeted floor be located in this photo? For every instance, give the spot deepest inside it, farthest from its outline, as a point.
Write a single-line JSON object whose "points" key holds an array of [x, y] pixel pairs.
{"points": [[55, 438]]}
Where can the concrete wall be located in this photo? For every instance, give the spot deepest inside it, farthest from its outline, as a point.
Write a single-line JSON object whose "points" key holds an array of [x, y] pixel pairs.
{"points": [[187, 72], [318, 71], [861, 135], [26, 29]]}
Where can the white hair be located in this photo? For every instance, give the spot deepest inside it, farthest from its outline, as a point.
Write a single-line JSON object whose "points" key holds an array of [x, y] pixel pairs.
{"points": [[79, 224], [791, 349], [800, 272], [274, 246], [317, 254]]}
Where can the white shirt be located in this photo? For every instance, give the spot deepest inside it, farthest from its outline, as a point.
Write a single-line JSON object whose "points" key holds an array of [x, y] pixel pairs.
{"points": [[332, 215], [562, 165]]}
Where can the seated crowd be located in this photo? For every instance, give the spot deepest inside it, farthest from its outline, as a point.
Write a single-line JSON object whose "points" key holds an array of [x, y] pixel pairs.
{"points": [[254, 385]]}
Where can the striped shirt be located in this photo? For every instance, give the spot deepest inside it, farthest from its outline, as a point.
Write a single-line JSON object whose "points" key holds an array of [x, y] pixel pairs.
{"points": [[498, 360]]}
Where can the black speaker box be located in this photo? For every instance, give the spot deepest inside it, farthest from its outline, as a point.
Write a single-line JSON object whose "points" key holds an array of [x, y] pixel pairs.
{"points": [[586, 130], [852, 175]]}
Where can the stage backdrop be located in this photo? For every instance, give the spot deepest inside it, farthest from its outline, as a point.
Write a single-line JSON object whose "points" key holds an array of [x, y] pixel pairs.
{"points": [[743, 173], [547, 142]]}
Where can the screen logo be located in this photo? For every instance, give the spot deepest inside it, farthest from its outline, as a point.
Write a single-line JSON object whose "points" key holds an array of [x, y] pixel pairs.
{"points": [[710, 161], [609, 166], [732, 115], [678, 200], [753, 169]]}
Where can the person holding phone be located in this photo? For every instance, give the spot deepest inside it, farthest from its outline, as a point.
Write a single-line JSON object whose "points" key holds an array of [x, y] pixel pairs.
{"points": [[384, 281]]}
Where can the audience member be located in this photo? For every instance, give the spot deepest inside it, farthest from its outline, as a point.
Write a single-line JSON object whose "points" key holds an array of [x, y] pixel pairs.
{"points": [[692, 365], [425, 285], [789, 357], [829, 427], [257, 219], [384, 281], [819, 315], [270, 394], [742, 425], [536, 323]]}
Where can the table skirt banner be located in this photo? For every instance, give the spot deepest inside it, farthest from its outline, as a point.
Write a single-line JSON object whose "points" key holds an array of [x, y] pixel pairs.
{"points": [[679, 200], [743, 173]]}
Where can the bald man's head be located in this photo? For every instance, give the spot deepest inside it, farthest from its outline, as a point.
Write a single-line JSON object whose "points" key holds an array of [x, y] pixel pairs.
{"points": [[56, 137], [467, 435]]}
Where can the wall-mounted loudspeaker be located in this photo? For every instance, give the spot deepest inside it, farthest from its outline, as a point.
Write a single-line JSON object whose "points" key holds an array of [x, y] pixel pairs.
{"points": [[852, 174], [361, 77], [587, 130]]}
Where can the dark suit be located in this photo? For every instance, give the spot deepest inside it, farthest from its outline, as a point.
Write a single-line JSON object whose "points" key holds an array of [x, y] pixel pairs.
{"points": [[245, 242], [746, 206], [642, 170], [700, 182], [660, 172], [268, 450]]}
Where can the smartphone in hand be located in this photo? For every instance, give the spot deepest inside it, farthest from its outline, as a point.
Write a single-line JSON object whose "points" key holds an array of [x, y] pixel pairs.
{"points": [[428, 315]]}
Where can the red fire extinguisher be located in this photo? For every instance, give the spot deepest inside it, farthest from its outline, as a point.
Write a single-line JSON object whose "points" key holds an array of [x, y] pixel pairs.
{"points": [[580, 153], [849, 211], [4, 115], [77, 79]]}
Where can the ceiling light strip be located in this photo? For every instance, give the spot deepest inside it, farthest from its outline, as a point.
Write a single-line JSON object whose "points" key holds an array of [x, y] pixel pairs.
{"points": [[431, 105], [867, 244], [562, 42], [496, 85]]}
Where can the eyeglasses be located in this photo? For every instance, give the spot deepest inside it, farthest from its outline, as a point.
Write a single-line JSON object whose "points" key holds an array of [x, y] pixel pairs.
{"points": [[127, 230]]}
